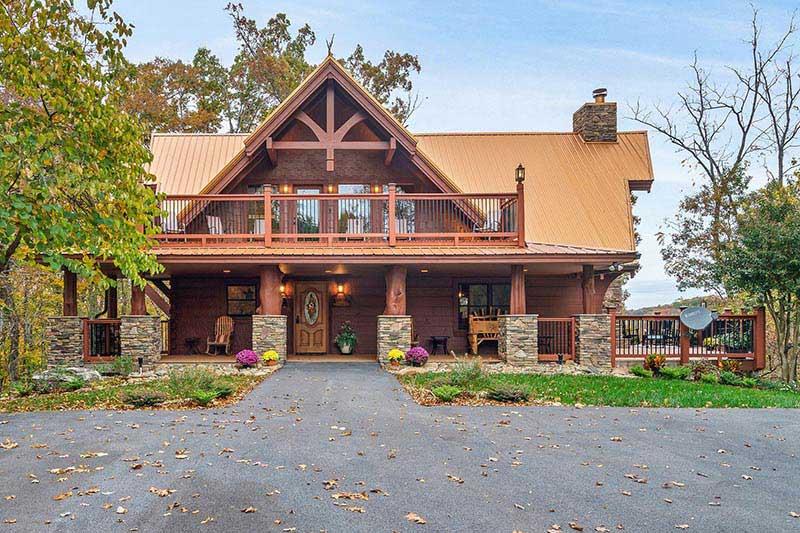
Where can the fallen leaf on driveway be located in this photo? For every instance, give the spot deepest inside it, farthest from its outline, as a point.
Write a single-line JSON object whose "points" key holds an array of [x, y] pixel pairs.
{"points": [[121, 510], [455, 479], [350, 496], [162, 493], [8, 444], [249, 510], [682, 526], [62, 496], [576, 526], [415, 518]]}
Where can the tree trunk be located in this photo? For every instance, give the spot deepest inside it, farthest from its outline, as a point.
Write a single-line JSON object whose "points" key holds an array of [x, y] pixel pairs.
{"points": [[10, 323]]}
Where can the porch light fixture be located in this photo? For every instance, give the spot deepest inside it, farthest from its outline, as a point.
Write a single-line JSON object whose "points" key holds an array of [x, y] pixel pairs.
{"points": [[615, 267], [520, 173], [226, 271], [283, 290], [376, 189], [340, 289], [423, 270]]}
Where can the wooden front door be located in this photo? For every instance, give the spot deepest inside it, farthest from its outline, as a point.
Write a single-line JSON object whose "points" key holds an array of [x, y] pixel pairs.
{"points": [[311, 317]]}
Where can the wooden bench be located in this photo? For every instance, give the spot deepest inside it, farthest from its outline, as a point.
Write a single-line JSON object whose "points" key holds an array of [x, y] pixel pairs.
{"points": [[482, 328]]}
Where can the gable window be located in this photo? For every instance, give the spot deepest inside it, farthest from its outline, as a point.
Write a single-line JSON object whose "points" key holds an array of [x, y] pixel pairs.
{"points": [[482, 299], [241, 300]]}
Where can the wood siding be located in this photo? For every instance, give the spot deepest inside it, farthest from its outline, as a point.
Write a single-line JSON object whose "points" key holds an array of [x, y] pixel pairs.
{"points": [[432, 302]]}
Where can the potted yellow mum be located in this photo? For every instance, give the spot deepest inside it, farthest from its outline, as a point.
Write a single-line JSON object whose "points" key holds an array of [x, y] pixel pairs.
{"points": [[395, 357], [270, 357]]}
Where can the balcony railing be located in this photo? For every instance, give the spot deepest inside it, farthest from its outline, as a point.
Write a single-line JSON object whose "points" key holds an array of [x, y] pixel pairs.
{"points": [[390, 219]]}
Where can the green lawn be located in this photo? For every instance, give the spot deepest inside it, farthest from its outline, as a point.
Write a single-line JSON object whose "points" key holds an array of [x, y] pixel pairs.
{"points": [[110, 393], [618, 391]]}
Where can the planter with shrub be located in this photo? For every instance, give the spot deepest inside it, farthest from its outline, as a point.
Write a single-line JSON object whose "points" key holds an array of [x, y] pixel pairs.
{"points": [[346, 339], [395, 357], [247, 358], [270, 358], [417, 356]]}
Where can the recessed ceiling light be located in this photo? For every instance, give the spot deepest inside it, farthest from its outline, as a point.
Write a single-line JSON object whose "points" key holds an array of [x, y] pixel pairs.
{"points": [[226, 271], [328, 271], [423, 270]]}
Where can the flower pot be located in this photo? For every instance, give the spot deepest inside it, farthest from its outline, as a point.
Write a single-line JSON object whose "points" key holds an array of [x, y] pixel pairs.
{"points": [[346, 349], [394, 363], [271, 362]]}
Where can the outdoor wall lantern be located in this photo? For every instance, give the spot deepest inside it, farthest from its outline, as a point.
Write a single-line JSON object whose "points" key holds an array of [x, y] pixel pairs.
{"points": [[520, 174], [283, 291], [341, 299]]}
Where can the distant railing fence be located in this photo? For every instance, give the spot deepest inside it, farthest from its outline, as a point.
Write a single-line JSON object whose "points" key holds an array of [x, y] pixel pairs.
{"points": [[730, 336], [556, 340]]}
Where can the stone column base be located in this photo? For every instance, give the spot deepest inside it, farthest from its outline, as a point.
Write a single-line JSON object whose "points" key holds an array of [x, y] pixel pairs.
{"points": [[394, 331], [65, 341], [518, 339], [140, 336], [269, 333], [593, 341]]}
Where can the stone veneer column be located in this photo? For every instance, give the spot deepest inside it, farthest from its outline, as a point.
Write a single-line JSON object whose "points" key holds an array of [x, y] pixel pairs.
{"points": [[140, 336], [518, 339], [394, 331], [593, 340], [269, 333], [65, 340]]}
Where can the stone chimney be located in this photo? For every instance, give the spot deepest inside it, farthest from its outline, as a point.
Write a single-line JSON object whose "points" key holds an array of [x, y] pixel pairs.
{"points": [[596, 121]]}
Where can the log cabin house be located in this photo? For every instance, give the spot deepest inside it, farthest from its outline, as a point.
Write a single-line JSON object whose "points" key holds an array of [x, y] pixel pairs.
{"points": [[331, 212]]}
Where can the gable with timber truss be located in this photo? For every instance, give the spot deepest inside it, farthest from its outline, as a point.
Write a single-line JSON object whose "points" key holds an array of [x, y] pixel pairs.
{"points": [[328, 116]]}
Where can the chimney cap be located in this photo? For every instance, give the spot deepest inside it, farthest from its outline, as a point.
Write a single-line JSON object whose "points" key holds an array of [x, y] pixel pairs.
{"points": [[600, 94]]}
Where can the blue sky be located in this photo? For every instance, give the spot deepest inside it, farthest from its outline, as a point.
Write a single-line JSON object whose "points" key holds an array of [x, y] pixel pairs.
{"points": [[496, 66]]}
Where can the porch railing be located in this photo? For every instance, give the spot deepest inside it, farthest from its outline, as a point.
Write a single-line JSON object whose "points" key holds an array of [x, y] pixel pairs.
{"points": [[556, 339], [101, 338], [730, 336], [391, 219], [164, 335]]}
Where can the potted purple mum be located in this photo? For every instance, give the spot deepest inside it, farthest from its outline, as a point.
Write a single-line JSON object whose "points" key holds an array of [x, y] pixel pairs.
{"points": [[247, 358], [417, 356]]}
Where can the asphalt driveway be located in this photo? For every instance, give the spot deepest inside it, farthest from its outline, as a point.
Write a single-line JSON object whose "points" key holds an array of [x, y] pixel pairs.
{"points": [[352, 426]]}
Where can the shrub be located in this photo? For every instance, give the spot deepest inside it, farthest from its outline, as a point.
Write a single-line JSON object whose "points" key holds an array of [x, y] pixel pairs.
{"points": [[640, 371], [182, 383], [675, 372], [122, 365], [395, 355], [417, 356], [655, 363], [701, 367], [74, 384], [508, 394], [710, 377], [726, 377], [247, 358], [446, 393], [22, 388], [730, 365], [206, 396], [466, 373], [143, 397], [270, 355], [104, 369], [749, 382]]}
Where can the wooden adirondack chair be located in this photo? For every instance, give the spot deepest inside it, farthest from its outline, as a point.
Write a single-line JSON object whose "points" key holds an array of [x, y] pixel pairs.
{"points": [[482, 328], [223, 330]]}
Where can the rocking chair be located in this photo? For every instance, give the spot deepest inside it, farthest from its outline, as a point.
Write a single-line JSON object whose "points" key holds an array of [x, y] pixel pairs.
{"points": [[223, 330]]}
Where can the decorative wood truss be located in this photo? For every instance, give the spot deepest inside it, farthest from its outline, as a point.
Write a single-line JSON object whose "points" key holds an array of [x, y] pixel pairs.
{"points": [[328, 138]]}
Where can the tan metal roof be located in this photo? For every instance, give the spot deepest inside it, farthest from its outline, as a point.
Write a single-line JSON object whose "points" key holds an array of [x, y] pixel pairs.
{"points": [[184, 163], [576, 193]]}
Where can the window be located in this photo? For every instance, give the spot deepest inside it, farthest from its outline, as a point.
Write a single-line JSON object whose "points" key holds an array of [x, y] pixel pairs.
{"points": [[255, 215], [242, 300], [354, 214], [482, 299]]}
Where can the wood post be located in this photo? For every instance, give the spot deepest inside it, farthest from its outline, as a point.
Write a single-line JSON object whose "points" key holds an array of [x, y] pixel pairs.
{"points": [[269, 291], [112, 301], [760, 339], [268, 215], [612, 312], [517, 306], [587, 286], [395, 290], [138, 303], [70, 304], [392, 214], [521, 214]]}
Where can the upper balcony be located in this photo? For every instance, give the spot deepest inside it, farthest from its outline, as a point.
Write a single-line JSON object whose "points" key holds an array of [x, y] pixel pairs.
{"points": [[313, 218]]}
